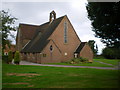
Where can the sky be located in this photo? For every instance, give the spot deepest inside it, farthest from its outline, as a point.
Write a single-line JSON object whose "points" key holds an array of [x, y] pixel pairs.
{"points": [[37, 13]]}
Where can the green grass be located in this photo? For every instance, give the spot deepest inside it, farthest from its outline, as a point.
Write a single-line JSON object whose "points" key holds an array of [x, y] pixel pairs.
{"points": [[109, 61], [0, 74], [57, 77], [95, 64]]}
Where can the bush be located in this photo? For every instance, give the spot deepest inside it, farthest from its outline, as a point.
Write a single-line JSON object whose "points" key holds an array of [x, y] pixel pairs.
{"points": [[75, 60], [5, 58], [111, 53], [10, 56], [17, 57], [83, 59], [78, 60]]}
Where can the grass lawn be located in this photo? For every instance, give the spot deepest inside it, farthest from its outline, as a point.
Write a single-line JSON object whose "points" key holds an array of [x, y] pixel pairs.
{"points": [[23, 76], [109, 61], [95, 64]]}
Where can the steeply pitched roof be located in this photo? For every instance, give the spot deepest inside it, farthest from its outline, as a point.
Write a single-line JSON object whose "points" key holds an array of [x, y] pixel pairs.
{"points": [[28, 31], [40, 40], [80, 47]]}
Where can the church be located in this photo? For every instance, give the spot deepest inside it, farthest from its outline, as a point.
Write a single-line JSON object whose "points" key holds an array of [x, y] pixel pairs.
{"points": [[52, 42]]}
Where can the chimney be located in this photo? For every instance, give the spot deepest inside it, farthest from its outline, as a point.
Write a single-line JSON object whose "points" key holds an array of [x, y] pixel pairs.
{"points": [[52, 16]]}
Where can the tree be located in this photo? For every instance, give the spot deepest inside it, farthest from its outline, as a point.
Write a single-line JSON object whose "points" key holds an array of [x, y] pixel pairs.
{"points": [[17, 57], [93, 47], [7, 22], [10, 56], [104, 18], [111, 53]]}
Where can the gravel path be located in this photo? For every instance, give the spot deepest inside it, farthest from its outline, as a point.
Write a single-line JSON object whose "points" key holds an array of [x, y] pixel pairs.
{"points": [[30, 63]]}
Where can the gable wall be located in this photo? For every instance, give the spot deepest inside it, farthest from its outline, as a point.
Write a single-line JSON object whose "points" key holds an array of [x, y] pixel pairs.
{"points": [[51, 57], [73, 40], [86, 52]]}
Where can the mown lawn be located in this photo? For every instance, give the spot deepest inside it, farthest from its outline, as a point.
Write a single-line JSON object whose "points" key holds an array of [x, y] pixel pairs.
{"points": [[94, 63], [23, 76], [109, 61]]}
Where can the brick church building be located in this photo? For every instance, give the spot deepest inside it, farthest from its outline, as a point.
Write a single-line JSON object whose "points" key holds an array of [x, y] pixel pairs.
{"points": [[52, 42]]}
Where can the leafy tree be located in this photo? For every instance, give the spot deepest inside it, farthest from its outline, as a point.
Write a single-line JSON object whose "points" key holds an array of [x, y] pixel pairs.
{"points": [[93, 47], [104, 18], [111, 53], [7, 22], [17, 57], [10, 56]]}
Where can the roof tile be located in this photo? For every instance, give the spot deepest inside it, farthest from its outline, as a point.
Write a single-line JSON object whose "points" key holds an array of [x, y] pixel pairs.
{"points": [[40, 40]]}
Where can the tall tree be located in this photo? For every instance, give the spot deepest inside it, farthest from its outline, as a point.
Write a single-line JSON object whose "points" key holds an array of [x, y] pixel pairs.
{"points": [[7, 22], [93, 46], [104, 18]]}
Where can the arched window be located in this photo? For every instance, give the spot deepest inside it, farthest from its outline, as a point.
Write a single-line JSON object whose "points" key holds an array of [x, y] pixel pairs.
{"points": [[65, 33], [51, 48]]}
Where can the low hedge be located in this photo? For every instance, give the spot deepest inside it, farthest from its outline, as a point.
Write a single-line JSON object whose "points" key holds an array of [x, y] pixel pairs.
{"points": [[78, 60]]}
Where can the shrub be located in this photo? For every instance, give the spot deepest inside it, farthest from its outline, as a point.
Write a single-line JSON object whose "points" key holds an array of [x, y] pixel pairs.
{"points": [[111, 53], [10, 56], [83, 59], [17, 57], [78, 60], [5, 58]]}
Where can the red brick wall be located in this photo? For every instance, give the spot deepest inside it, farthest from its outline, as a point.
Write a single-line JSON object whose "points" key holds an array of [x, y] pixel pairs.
{"points": [[86, 52], [51, 57], [73, 40]]}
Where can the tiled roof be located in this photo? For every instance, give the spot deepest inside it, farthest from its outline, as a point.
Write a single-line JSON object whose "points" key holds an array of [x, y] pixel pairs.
{"points": [[80, 47], [40, 40], [28, 31]]}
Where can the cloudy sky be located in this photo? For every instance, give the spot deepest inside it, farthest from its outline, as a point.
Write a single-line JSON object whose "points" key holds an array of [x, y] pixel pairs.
{"points": [[37, 13]]}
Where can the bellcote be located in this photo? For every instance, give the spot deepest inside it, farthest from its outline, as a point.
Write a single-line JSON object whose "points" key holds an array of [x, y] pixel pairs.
{"points": [[52, 16]]}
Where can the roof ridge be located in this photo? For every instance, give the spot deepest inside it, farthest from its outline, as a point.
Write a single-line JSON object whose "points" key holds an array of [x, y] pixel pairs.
{"points": [[28, 24], [42, 41], [40, 24]]}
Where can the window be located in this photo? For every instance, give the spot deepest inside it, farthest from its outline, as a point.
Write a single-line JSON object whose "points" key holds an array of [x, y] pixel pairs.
{"points": [[65, 32], [51, 48]]}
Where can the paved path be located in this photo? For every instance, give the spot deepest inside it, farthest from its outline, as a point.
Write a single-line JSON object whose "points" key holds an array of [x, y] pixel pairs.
{"points": [[30, 63]]}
